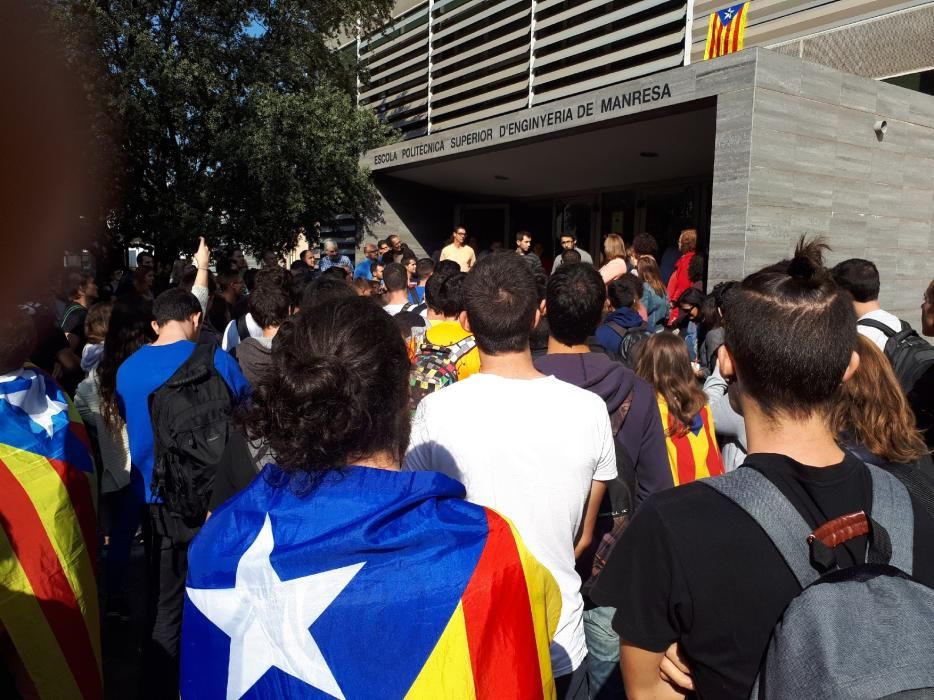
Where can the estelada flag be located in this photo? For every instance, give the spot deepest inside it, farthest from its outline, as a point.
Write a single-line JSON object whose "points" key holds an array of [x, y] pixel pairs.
{"points": [[371, 584], [726, 31], [48, 588]]}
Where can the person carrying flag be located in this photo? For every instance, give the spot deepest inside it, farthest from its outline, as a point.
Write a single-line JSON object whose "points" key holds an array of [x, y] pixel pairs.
{"points": [[334, 573], [49, 626]]}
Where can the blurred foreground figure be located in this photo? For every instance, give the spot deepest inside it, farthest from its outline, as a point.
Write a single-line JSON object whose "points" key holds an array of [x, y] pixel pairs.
{"points": [[49, 626]]}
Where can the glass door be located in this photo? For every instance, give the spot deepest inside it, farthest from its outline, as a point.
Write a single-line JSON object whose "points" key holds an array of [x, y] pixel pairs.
{"points": [[577, 217]]}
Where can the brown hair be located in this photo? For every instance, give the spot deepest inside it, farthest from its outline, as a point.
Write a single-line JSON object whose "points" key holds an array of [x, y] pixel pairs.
{"points": [[613, 247], [650, 274], [664, 363], [97, 321], [688, 241], [872, 408]]}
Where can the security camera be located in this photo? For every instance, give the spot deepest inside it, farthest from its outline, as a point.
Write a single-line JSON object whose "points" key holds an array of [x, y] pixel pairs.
{"points": [[880, 127]]}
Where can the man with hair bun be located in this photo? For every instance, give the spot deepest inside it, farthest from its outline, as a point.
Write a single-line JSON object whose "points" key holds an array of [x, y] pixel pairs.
{"points": [[709, 578]]}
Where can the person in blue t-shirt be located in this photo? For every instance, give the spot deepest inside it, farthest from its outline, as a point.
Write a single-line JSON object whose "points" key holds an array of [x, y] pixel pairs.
{"points": [[364, 269], [177, 315]]}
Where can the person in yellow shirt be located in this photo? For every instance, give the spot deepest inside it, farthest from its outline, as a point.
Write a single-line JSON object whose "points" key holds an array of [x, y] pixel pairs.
{"points": [[443, 295], [458, 250]]}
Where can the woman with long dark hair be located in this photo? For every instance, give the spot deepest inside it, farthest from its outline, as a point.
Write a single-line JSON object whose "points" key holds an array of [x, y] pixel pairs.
{"points": [[689, 428], [129, 328], [348, 574]]}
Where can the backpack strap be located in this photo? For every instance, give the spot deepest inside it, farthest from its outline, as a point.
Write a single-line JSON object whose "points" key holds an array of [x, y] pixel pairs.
{"points": [[243, 330], [461, 348], [71, 309], [764, 503], [405, 307], [879, 326], [891, 508]]}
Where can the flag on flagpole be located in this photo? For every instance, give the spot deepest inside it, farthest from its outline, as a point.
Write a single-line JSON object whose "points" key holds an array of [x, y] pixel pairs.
{"points": [[48, 603], [376, 584], [726, 31]]}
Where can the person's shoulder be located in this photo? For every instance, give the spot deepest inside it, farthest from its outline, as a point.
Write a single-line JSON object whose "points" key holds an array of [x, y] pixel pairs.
{"points": [[684, 504]]}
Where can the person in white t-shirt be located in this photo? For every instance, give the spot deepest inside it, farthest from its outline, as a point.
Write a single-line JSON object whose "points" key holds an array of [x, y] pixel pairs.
{"points": [[396, 280], [534, 448], [861, 279]]}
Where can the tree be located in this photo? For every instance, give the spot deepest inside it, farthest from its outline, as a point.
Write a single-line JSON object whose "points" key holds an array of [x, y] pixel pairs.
{"points": [[226, 118]]}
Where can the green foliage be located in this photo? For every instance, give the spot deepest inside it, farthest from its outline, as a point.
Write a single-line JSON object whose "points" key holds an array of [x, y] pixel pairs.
{"points": [[233, 120]]}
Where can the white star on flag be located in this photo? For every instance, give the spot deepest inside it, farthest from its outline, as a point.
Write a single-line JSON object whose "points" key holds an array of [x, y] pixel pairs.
{"points": [[35, 403], [268, 619]]}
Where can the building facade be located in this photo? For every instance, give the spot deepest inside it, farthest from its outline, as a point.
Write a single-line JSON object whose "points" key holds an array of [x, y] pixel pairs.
{"points": [[597, 117]]}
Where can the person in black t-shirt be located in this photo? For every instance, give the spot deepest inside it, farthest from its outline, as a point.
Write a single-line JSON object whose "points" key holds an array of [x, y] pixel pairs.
{"points": [[693, 568], [81, 291]]}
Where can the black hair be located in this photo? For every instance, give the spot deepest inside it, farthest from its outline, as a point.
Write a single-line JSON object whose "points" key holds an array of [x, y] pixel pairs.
{"points": [[696, 268], [299, 265], [130, 329], [380, 243], [175, 305], [859, 277], [249, 278], [17, 338], [791, 331], [395, 277], [691, 297], [644, 244], [337, 272], [624, 291], [337, 391], [424, 267], [409, 255], [227, 278], [227, 266], [277, 277], [406, 321], [73, 280], [570, 256], [446, 267], [501, 297], [325, 290], [444, 294], [575, 298], [269, 306]]}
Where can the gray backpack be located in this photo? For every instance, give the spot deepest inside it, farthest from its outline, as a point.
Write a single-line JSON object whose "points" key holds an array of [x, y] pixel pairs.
{"points": [[866, 631]]}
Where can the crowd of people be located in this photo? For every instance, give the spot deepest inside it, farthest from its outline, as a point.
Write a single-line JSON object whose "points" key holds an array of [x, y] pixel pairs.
{"points": [[488, 474]]}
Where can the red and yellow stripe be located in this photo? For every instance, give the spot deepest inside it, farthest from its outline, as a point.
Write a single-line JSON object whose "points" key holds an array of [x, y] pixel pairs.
{"points": [[690, 456], [721, 39], [49, 602], [505, 621]]}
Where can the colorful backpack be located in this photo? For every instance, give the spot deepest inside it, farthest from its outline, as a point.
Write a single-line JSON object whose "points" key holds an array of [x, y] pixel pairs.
{"points": [[435, 367]]}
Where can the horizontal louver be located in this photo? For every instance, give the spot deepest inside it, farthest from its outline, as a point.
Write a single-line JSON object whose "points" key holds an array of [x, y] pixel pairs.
{"points": [[446, 63]]}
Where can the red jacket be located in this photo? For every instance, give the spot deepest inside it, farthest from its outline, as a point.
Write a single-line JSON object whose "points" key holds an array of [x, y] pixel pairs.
{"points": [[678, 283]]}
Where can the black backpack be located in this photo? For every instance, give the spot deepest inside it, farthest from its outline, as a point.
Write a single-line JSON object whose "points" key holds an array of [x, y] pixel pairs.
{"points": [[191, 429], [629, 340], [910, 354]]}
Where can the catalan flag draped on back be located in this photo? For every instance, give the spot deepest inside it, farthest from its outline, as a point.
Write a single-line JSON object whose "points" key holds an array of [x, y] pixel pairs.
{"points": [[48, 589], [726, 30], [693, 452], [374, 584]]}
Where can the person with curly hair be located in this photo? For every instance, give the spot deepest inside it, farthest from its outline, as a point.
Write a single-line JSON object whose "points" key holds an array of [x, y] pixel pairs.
{"points": [[336, 570]]}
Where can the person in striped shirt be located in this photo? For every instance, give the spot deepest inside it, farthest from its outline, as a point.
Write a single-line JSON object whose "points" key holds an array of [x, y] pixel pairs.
{"points": [[686, 418]]}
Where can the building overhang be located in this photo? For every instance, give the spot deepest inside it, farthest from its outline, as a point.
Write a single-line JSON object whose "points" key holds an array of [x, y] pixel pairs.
{"points": [[664, 93]]}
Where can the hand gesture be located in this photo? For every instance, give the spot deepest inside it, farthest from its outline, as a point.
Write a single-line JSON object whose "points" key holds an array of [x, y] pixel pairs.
{"points": [[202, 256]]}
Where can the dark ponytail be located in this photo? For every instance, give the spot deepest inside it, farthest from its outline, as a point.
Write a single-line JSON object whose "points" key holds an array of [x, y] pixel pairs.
{"points": [[791, 331]]}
